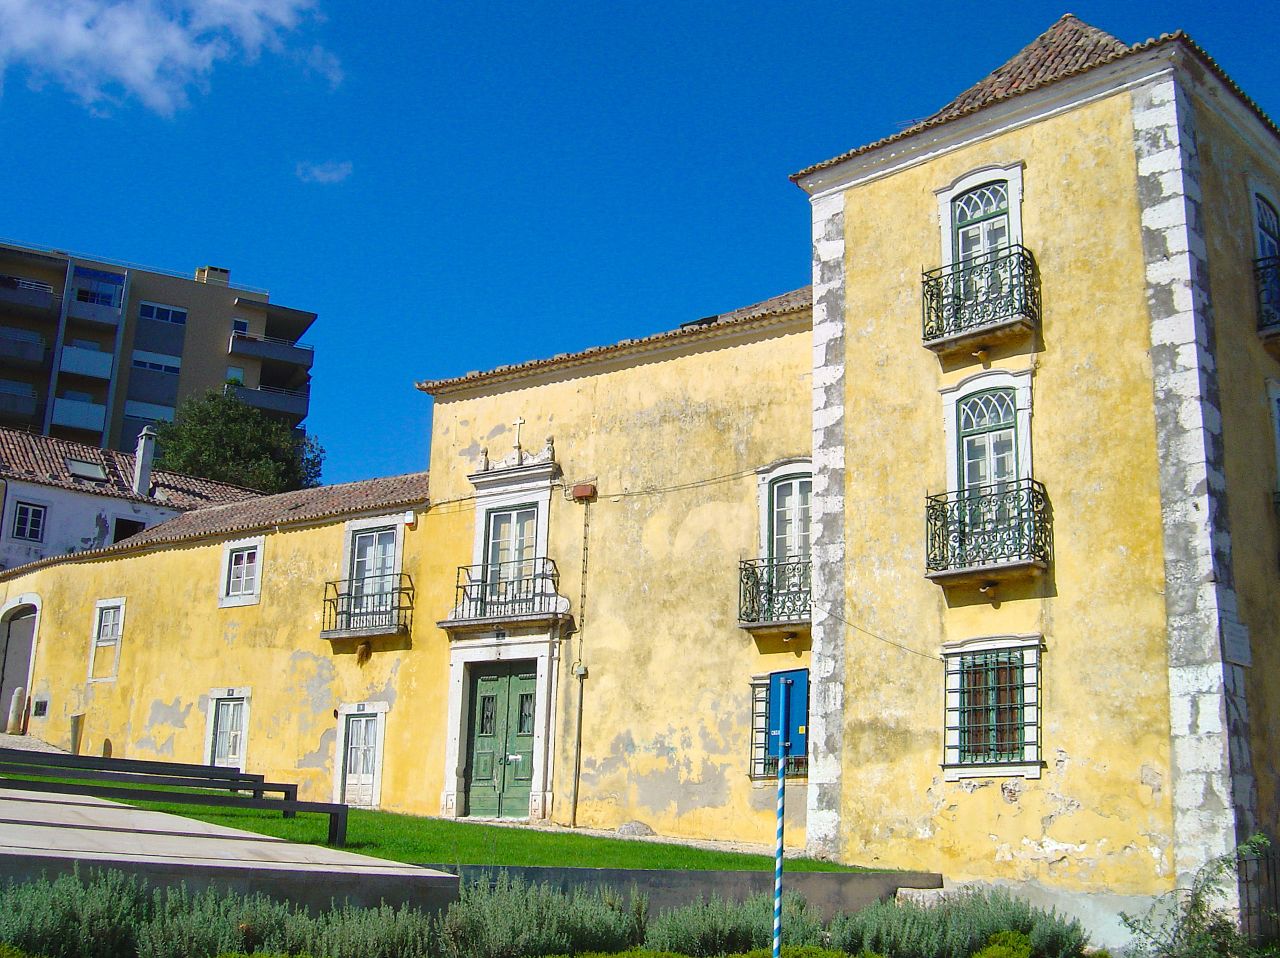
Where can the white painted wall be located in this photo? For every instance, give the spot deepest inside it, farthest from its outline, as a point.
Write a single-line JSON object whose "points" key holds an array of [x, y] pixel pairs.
{"points": [[74, 521]]}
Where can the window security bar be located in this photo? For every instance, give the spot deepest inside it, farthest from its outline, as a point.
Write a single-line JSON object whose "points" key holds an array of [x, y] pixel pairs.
{"points": [[774, 590], [984, 291], [997, 524], [383, 602], [507, 589]]}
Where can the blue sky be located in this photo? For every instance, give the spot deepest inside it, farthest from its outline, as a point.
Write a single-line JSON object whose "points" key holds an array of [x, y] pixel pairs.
{"points": [[456, 186]]}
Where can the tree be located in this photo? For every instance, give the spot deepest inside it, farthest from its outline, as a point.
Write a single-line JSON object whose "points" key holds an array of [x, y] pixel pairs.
{"points": [[220, 437]]}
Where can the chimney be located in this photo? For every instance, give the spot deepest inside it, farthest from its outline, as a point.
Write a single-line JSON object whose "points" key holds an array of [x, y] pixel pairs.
{"points": [[142, 461], [213, 275]]}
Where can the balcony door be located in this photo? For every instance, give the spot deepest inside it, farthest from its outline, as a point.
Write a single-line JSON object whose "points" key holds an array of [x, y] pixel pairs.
{"points": [[228, 733], [980, 218], [789, 518], [509, 569], [373, 562], [361, 754], [988, 474]]}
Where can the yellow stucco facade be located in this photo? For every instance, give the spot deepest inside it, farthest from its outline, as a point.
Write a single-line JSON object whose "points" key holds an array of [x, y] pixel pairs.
{"points": [[1034, 588]]}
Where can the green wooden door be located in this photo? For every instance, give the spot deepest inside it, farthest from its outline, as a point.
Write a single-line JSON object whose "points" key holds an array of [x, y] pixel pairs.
{"points": [[500, 740]]}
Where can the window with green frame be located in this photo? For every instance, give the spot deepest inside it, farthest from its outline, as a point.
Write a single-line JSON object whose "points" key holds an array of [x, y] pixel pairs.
{"points": [[987, 433], [980, 221], [993, 707]]}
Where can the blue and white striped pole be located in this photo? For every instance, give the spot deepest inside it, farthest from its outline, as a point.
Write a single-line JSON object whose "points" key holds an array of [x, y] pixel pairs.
{"points": [[785, 685]]}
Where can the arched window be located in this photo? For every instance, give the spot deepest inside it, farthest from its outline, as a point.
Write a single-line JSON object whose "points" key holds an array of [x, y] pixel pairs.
{"points": [[980, 218], [1268, 239], [789, 499], [987, 431]]}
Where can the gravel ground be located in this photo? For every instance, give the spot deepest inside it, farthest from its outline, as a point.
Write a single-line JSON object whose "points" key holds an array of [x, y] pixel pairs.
{"points": [[26, 742]]}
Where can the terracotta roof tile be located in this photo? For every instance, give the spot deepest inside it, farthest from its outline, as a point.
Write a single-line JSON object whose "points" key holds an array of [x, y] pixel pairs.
{"points": [[27, 457], [264, 512], [787, 303], [1068, 48]]}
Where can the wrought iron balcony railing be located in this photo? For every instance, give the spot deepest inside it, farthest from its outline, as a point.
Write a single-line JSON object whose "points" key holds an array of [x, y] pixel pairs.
{"points": [[376, 603], [500, 590], [970, 296], [1267, 273], [1005, 523], [774, 590]]}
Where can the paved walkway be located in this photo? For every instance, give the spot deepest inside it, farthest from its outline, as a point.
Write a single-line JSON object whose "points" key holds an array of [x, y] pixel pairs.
{"points": [[27, 742], [52, 833]]}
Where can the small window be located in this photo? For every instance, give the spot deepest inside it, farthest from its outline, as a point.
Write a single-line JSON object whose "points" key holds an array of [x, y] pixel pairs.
{"points": [[125, 528], [83, 469], [163, 314], [763, 765], [98, 287], [227, 739], [157, 362], [1268, 238], [240, 326], [104, 650], [235, 374], [28, 521], [241, 572], [993, 709]]}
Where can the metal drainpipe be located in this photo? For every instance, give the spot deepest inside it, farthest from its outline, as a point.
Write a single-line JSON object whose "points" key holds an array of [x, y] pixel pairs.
{"points": [[580, 670]]}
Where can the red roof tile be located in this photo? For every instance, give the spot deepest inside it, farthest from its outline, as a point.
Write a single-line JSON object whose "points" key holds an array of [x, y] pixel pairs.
{"points": [[26, 457]]}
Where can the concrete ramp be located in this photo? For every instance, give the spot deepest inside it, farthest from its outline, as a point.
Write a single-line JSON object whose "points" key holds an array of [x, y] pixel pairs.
{"points": [[52, 834]]}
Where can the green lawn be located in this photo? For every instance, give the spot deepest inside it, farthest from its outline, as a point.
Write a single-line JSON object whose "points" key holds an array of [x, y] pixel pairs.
{"points": [[408, 838]]}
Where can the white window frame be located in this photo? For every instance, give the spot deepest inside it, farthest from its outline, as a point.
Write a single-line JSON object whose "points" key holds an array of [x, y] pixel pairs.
{"points": [[186, 315], [1017, 380], [222, 693], [157, 362], [1011, 174], [44, 519], [765, 478], [94, 646], [379, 710], [396, 521], [226, 599], [1032, 648], [759, 755]]}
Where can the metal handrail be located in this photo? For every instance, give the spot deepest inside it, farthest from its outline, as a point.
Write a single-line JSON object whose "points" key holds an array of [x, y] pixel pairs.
{"points": [[271, 339], [20, 282], [501, 589], [987, 290], [374, 602], [775, 590], [995, 524]]}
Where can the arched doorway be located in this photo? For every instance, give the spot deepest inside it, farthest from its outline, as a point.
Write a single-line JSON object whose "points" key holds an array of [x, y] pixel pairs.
{"points": [[17, 645]]}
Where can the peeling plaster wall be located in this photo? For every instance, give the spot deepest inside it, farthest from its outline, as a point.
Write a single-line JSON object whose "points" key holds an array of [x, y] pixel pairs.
{"points": [[826, 704], [74, 521], [1213, 792], [1235, 159], [177, 644], [1100, 814], [672, 440]]}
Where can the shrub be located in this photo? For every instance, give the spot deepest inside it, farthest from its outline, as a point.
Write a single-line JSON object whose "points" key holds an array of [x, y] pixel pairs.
{"points": [[796, 951], [1006, 944], [511, 918], [74, 917], [717, 927], [8, 951], [209, 923], [955, 928], [348, 932], [1193, 922]]}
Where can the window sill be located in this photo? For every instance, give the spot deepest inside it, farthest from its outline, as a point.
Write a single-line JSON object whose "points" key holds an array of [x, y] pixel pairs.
{"points": [[236, 601], [956, 773]]}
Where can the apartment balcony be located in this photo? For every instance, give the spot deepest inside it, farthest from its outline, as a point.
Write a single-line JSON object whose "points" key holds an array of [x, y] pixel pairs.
{"points": [[502, 594], [271, 349], [86, 362], [98, 313], [18, 404], [287, 402], [28, 296], [79, 414], [981, 303], [1266, 273], [774, 595], [19, 349], [364, 608], [989, 533]]}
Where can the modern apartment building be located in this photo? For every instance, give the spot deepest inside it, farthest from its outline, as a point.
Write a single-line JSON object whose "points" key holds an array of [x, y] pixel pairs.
{"points": [[92, 350]]}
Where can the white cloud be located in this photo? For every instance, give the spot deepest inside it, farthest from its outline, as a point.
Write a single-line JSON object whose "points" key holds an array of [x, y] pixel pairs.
{"points": [[106, 51], [321, 61], [329, 172]]}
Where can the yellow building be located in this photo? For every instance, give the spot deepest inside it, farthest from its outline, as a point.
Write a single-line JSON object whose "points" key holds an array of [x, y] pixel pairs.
{"points": [[1010, 525]]}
